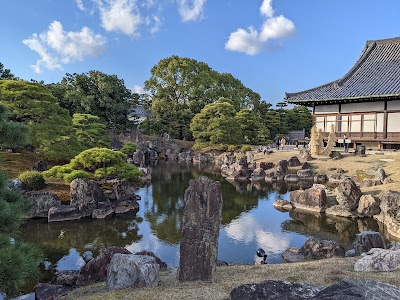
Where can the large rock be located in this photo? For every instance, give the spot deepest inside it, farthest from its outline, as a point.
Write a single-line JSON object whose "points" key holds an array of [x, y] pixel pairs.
{"points": [[117, 189], [294, 162], [340, 211], [66, 278], [274, 289], [186, 156], [123, 206], [282, 204], [103, 210], [96, 269], [281, 167], [292, 255], [368, 206], [61, 213], [15, 185], [380, 174], [162, 264], [41, 202], [313, 199], [349, 194], [378, 259], [390, 212], [319, 249], [201, 221], [85, 195], [258, 174], [355, 289], [131, 271], [47, 291], [367, 240], [306, 174], [40, 166], [291, 178], [266, 165]]}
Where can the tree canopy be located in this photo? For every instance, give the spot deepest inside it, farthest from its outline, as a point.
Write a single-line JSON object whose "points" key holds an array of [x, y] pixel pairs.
{"points": [[216, 124], [180, 88], [50, 126], [6, 73], [97, 94], [90, 131]]}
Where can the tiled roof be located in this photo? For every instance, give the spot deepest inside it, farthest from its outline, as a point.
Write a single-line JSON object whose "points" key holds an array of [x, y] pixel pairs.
{"points": [[375, 75]]}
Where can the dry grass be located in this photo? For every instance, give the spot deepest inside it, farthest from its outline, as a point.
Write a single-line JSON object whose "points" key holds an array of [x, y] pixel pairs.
{"points": [[16, 163], [322, 272]]}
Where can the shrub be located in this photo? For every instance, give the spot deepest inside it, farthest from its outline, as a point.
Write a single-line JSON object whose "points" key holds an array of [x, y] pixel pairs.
{"points": [[76, 174], [129, 149], [97, 163], [33, 180], [246, 148], [232, 148]]}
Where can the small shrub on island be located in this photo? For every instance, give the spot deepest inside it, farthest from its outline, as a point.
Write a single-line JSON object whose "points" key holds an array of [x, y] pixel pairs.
{"points": [[232, 148], [97, 163], [33, 180]]}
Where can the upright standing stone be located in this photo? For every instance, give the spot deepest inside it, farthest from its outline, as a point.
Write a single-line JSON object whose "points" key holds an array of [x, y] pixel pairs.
{"points": [[201, 220]]}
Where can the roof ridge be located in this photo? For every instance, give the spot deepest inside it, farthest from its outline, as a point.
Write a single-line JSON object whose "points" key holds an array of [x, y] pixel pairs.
{"points": [[385, 41]]}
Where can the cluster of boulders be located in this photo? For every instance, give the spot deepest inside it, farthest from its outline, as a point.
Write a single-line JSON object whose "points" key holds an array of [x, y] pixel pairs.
{"points": [[117, 266], [245, 168], [349, 202], [370, 245], [190, 156], [89, 198]]}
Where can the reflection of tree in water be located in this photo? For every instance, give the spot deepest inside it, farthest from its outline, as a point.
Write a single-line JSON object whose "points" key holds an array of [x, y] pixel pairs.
{"points": [[318, 225], [169, 183], [56, 239]]}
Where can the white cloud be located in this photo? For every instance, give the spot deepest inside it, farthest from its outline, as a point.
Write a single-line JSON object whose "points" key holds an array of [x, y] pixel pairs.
{"points": [[191, 10], [251, 41], [154, 23], [138, 89], [56, 46], [120, 15], [79, 3]]}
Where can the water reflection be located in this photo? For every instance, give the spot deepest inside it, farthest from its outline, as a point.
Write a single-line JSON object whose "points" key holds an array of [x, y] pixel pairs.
{"points": [[249, 221]]}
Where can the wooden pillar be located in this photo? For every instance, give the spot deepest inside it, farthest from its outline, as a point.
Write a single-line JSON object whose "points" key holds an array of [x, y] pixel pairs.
{"points": [[385, 121]]}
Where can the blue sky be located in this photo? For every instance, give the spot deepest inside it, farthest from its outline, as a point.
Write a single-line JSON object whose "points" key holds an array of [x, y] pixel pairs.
{"points": [[272, 46]]}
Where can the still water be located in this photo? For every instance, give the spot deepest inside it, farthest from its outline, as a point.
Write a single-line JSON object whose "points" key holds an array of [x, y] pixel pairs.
{"points": [[249, 221]]}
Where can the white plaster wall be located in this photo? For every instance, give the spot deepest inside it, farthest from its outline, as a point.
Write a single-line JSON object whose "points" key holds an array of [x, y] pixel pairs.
{"points": [[393, 105], [363, 107], [323, 109]]}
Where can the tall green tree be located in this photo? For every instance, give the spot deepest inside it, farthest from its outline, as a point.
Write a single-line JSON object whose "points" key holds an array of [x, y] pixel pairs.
{"points": [[96, 93], [253, 128], [18, 261], [216, 124], [180, 88], [90, 131], [298, 118], [50, 126]]}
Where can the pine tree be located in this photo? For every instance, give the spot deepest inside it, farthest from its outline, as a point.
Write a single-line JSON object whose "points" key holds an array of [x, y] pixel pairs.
{"points": [[18, 261]]}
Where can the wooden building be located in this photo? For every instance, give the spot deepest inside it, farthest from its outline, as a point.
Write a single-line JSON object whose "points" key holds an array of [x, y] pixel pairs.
{"points": [[365, 103]]}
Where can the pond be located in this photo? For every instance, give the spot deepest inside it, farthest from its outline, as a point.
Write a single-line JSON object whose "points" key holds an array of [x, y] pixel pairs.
{"points": [[249, 221]]}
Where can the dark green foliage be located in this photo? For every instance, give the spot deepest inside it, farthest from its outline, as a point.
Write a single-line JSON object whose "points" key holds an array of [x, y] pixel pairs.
{"points": [[181, 87], [33, 180], [90, 131], [298, 118], [50, 126], [216, 124], [97, 94], [18, 261], [97, 163], [129, 149], [12, 134]]}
